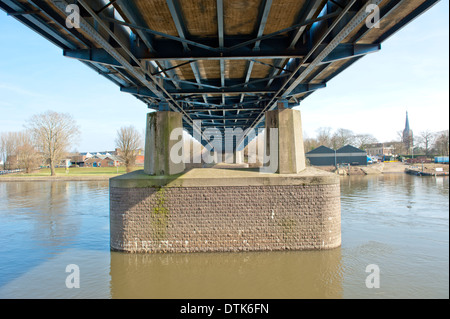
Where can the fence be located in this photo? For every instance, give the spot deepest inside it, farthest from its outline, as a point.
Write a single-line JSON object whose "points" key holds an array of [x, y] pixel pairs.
{"points": [[11, 171]]}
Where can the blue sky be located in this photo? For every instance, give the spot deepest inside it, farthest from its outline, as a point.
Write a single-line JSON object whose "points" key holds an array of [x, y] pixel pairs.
{"points": [[409, 73]]}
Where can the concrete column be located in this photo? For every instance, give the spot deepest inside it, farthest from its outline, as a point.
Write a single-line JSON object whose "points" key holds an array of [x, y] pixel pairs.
{"points": [[289, 143], [158, 145], [228, 157], [239, 157]]}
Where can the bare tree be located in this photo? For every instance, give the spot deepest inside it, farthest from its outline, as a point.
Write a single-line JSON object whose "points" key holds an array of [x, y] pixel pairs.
{"points": [[442, 143], [128, 142], [309, 143], [324, 136], [53, 133], [341, 138], [3, 154], [28, 158], [363, 140], [9, 142], [426, 140]]}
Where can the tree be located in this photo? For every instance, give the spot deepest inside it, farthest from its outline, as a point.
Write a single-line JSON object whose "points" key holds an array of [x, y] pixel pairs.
{"points": [[53, 134], [324, 136], [8, 148], [341, 138], [441, 143], [27, 156], [363, 140], [3, 150], [128, 142], [426, 140], [310, 143]]}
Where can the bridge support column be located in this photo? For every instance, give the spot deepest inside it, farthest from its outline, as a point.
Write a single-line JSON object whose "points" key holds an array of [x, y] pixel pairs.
{"points": [[289, 142], [158, 143], [239, 157], [222, 210]]}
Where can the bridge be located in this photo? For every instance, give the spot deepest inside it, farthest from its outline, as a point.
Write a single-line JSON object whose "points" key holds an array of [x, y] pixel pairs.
{"points": [[220, 63], [209, 67]]}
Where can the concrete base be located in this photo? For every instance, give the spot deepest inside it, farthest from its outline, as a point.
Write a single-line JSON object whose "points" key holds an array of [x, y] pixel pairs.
{"points": [[212, 210]]}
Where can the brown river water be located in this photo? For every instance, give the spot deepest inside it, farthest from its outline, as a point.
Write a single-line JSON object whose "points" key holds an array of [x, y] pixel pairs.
{"points": [[399, 223]]}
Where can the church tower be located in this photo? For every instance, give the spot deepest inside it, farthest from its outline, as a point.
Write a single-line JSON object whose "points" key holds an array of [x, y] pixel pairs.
{"points": [[408, 139]]}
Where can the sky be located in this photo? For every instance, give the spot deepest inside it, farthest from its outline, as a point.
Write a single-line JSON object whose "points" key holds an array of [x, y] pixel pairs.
{"points": [[410, 73]]}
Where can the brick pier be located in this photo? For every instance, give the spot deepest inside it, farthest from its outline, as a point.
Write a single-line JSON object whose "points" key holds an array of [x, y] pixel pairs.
{"points": [[218, 210]]}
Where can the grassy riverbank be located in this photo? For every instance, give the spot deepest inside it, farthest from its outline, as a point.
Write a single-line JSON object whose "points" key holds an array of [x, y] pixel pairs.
{"points": [[78, 173]]}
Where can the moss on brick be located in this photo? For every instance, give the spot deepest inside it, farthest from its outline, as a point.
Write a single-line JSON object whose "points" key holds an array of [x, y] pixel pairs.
{"points": [[160, 216]]}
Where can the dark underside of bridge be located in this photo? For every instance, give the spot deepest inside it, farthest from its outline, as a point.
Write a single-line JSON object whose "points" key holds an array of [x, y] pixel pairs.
{"points": [[221, 63]]}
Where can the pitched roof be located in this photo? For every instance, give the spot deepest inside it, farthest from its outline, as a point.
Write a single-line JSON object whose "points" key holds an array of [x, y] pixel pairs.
{"points": [[350, 149], [321, 150]]}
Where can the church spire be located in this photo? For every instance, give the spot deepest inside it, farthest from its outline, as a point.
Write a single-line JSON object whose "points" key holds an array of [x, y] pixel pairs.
{"points": [[408, 139], [407, 128]]}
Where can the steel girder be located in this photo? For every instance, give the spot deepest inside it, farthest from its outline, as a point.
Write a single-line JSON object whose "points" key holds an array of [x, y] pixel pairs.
{"points": [[146, 62]]}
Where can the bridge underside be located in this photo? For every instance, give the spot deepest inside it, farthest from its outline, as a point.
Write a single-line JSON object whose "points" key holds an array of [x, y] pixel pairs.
{"points": [[220, 63]]}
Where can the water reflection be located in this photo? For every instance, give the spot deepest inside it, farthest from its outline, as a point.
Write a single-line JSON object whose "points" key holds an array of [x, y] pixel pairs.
{"points": [[398, 222], [39, 220], [228, 275]]}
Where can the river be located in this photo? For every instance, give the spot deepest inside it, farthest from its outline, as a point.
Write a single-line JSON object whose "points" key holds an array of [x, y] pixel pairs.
{"points": [[397, 222]]}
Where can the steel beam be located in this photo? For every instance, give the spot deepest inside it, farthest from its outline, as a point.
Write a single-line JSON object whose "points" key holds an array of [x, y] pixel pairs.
{"points": [[342, 51], [143, 91], [425, 6], [100, 56], [35, 23], [344, 32], [264, 15]]}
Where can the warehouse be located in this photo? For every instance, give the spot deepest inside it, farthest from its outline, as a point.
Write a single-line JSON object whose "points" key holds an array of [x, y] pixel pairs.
{"points": [[322, 156], [351, 155], [325, 156]]}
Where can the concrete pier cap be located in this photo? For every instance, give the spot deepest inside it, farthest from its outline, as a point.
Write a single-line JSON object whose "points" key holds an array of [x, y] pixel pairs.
{"points": [[164, 208]]}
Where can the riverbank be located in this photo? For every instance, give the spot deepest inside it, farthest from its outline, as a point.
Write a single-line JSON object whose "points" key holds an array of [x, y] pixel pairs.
{"points": [[386, 168], [428, 169], [72, 174], [104, 174], [68, 178]]}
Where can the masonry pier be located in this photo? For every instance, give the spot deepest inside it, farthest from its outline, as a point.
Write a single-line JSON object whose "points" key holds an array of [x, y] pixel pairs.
{"points": [[167, 209]]}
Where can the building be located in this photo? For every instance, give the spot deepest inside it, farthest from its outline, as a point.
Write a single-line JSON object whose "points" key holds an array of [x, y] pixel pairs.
{"points": [[351, 155], [102, 161], [380, 150], [322, 156], [408, 137], [325, 156]]}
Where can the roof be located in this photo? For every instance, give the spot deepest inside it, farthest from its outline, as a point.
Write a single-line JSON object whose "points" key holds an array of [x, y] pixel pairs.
{"points": [[321, 150], [350, 149], [223, 63], [103, 157]]}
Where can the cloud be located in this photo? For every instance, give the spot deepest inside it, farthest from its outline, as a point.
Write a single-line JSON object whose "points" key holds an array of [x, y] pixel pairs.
{"points": [[19, 90]]}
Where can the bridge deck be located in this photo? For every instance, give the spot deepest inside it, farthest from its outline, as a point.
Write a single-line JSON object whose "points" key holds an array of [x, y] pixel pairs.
{"points": [[222, 62]]}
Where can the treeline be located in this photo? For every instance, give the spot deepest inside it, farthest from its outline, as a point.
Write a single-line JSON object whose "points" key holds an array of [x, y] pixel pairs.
{"points": [[337, 139], [45, 140], [432, 143], [18, 151], [426, 143]]}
